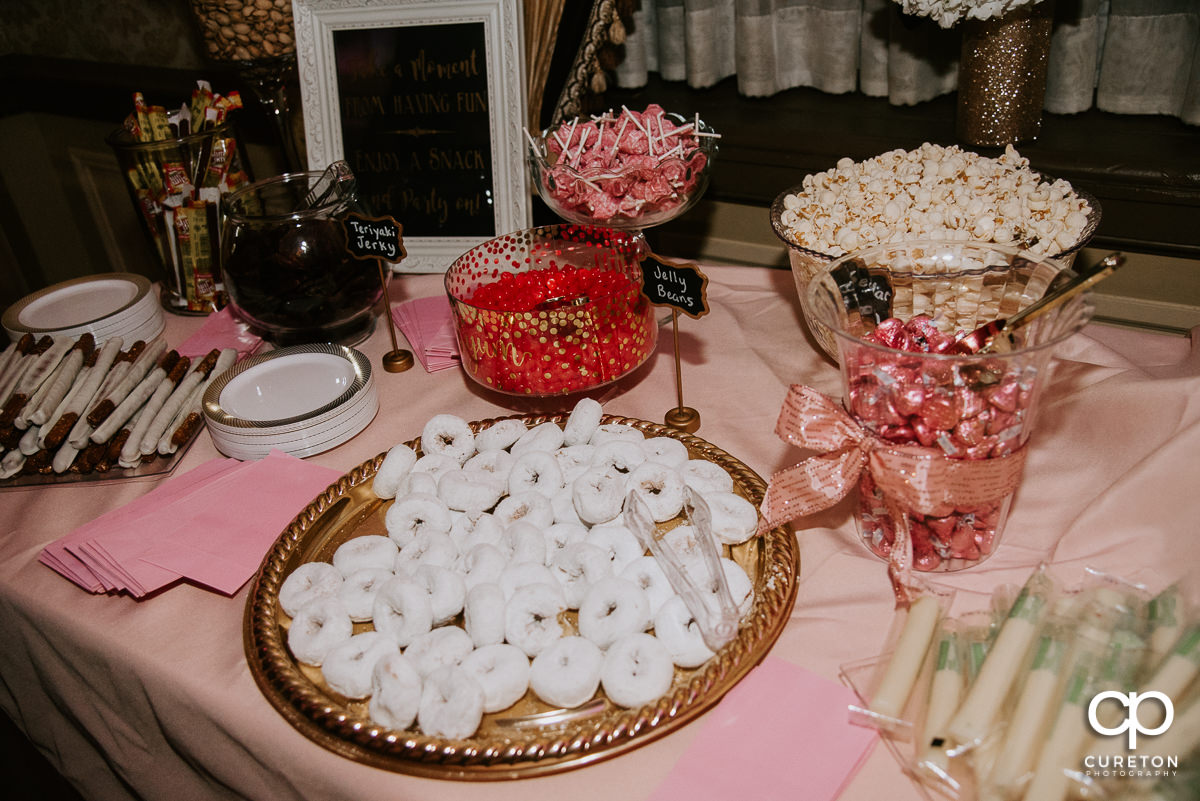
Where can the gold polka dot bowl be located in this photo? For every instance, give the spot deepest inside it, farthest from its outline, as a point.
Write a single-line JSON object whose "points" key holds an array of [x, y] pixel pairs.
{"points": [[554, 310]]}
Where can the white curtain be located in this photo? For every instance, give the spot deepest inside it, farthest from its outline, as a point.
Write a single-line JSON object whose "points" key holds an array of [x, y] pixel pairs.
{"points": [[1123, 56]]}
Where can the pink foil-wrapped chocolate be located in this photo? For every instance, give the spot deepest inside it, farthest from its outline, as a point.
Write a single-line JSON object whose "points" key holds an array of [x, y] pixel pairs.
{"points": [[623, 170]]}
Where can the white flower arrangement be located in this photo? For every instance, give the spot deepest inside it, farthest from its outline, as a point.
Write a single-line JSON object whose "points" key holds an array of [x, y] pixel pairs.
{"points": [[948, 13]]}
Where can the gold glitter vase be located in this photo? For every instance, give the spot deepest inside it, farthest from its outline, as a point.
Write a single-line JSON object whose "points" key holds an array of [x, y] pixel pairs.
{"points": [[1002, 76]]}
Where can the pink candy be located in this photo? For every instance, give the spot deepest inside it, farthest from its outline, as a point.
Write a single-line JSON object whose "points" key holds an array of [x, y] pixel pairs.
{"points": [[967, 408], [634, 165]]}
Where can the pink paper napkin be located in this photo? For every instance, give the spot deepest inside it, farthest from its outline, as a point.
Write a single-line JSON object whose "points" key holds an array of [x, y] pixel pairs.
{"points": [[212, 526], [428, 326], [786, 730], [220, 330]]}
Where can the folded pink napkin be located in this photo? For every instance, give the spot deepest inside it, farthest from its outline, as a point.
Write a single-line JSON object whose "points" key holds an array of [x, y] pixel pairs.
{"points": [[220, 330], [787, 732], [211, 525], [427, 325]]}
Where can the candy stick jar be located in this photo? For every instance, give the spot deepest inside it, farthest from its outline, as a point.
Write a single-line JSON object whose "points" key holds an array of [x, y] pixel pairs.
{"points": [[958, 425], [552, 310]]}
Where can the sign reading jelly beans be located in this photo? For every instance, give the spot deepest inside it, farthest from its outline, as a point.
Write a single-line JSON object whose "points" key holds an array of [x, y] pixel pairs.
{"points": [[678, 284], [374, 237]]}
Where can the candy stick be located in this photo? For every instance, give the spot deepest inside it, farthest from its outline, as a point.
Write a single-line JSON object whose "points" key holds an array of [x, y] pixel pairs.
{"points": [[1182, 738], [974, 719], [156, 427], [189, 415], [11, 464], [111, 363], [17, 365], [945, 692], [1165, 614], [131, 402], [32, 370], [131, 453], [28, 444], [900, 675], [141, 365], [1173, 676], [63, 381], [1032, 713], [21, 420]]}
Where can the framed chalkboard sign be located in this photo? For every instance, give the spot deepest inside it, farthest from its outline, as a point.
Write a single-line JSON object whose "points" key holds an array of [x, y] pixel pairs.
{"points": [[425, 101]]}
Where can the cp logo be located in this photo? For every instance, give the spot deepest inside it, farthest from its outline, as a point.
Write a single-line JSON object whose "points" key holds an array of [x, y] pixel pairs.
{"points": [[1132, 723]]}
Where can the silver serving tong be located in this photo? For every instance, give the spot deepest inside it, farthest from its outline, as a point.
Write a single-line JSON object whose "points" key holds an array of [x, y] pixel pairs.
{"points": [[996, 336], [334, 176]]}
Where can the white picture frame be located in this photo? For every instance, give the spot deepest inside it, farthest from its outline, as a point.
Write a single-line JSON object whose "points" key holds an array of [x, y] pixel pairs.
{"points": [[316, 24]]}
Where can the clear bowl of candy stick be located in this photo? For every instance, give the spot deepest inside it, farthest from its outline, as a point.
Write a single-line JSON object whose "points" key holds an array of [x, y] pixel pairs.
{"points": [[627, 170]]}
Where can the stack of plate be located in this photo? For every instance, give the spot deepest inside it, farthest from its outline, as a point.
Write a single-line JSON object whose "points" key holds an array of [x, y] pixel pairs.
{"points": [[301, 400], [106, 306]]}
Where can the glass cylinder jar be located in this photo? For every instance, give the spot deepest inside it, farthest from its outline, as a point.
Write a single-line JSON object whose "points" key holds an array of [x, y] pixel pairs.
{"points": [[950, 406], [285, 261]]}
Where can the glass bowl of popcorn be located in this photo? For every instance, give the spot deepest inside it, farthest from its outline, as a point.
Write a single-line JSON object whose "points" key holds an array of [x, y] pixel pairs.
{"points": [[931, 193], [629, 171]]}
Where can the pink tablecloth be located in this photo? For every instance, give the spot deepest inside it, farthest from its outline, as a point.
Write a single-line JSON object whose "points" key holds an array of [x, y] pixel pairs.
{"points": [[153, 698]]}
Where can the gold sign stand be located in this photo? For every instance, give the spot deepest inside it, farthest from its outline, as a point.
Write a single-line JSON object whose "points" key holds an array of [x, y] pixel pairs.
{"points": [[683, 418], [682, 286], [396, 360]]}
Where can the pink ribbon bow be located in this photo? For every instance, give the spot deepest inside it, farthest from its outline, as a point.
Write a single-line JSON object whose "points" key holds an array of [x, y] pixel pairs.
{"points": [[911, 477]]}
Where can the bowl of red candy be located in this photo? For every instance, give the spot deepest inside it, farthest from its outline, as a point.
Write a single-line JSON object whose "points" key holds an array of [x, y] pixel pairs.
{"points": [[552, 310], [629, 170]]}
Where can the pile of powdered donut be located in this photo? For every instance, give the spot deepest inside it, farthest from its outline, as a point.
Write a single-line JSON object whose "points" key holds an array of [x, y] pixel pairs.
{"points": [[491, 538]]}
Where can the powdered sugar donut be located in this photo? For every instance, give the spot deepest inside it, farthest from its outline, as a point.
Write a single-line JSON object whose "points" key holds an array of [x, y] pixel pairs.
{"points": [[618, 543], [395, 466], [734, 519], [531, 506], [535, 471], [647, 573], [402, 610], [441, 647], [526, 543], [414, 514], [560, 535], [500, 435], [637, 670], [395, 692], [448, 435], [368, 550], [318, 627], [612, 608], [470, 492], [660, 487], [577, 567], [531, 617], [740, 585], [665, 450], [451, 704], [434, 464], [567, 672], [482, 564], [562, 503], [467, 531], [675, 627], [610, 431], [574, 460], [359, 590], [495, 463], [419, 482], [521, 574], [348, 668], [426, 548], [446, 589], [483, 614], [543, 437], [618, 456], [582, 422], [502, 671], [704, 476], [598, 496], [307, 582]]}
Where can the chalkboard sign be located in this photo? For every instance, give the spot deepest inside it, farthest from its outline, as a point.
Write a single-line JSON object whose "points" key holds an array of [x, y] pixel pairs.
{"points": [[678, 284], [423, 99], [869, 292], [374, 237]]}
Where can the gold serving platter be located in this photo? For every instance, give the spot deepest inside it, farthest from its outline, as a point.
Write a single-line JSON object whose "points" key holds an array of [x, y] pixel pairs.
{"points": [[530, 738]]}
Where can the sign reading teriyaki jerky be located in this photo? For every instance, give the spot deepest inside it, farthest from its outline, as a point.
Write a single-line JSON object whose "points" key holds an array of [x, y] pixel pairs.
{"points": [[678, 284], [416, 127], [374, 237]]}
